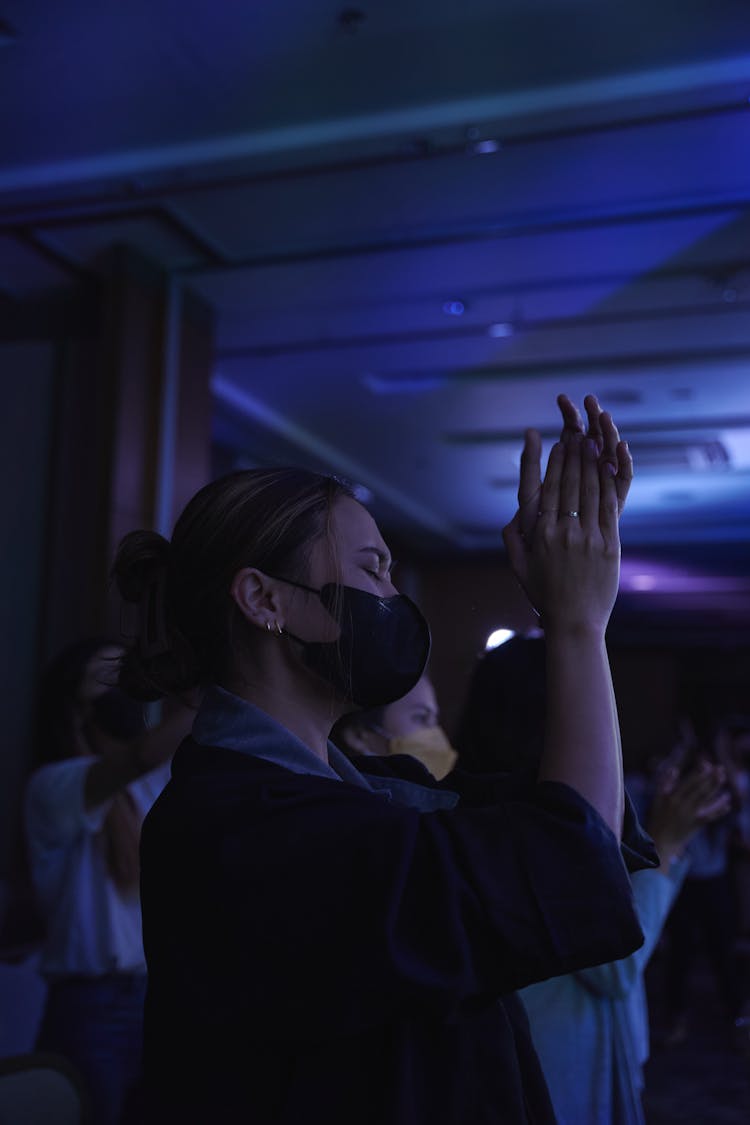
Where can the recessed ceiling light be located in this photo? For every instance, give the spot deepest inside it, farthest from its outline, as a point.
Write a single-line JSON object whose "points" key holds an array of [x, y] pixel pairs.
{"points": [[483, 148], [503, 328], [454, 308], [498, 637]]}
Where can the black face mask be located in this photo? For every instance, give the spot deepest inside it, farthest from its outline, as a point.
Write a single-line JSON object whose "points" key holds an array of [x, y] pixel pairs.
{"points": [[382, 650]]}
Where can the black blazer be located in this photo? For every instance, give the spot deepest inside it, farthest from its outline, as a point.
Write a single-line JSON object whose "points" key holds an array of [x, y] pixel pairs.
{"points": [[318, 953]]}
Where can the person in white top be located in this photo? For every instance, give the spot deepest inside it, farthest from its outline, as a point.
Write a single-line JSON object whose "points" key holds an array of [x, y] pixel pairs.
{"points": [[101, 772]]}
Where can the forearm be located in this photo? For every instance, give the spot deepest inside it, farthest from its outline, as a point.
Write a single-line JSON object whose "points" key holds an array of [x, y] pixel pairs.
{"points": [[582, 739], [669, 850]]}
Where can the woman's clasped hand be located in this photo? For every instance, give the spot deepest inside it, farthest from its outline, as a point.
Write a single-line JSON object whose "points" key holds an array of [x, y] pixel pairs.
{"points": [[563, 542]]}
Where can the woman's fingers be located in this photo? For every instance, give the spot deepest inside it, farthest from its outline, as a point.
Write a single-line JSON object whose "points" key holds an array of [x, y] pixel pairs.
{"points": [[618, 454], [610, 437], [549, 503], [594, 415], [608, 508], [530, 482], [603, 431], [668, 781], [704, 787], [570, 484], [570, 578], [572, 421], [589, 502], [701, 789], [624, 473], [713, 809]]}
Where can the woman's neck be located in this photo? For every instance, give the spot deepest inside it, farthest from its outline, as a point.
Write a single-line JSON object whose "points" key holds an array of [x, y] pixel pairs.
{"points": [[300, 703]]}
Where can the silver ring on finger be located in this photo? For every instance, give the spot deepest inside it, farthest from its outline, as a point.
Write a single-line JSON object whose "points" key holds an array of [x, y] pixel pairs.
{"points": [[573, 515]]}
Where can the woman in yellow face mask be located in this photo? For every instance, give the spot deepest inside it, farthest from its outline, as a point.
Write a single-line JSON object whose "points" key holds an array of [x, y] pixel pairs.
{"points": [[408, 726]]}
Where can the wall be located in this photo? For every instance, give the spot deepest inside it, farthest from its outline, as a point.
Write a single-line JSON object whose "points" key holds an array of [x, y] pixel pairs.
{"points": [[85, 460], [28, 375]]}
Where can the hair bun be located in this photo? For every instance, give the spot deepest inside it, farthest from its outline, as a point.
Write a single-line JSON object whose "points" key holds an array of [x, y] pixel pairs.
{"points": [[161, 661], [141, 559]]}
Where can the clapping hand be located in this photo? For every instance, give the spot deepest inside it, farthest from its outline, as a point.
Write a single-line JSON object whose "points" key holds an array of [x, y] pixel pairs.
{"points": [[683, 803], [563, 542], [602, 431]]}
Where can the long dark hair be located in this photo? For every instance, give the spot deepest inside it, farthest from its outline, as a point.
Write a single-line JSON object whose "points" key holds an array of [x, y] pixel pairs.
{"points": [[501, 728], [187, 626]]}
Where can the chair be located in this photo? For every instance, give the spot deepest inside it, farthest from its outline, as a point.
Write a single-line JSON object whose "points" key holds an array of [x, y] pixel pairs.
{"points": [[41, 1089], [23, 991]]}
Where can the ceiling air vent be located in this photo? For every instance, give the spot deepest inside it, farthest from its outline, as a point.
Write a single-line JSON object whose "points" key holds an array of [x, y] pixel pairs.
{"points": [[686, 455], [620, 396]]}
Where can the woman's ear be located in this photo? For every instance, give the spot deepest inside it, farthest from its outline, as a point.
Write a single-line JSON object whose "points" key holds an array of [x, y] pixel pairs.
{"points": [[257, 598]]}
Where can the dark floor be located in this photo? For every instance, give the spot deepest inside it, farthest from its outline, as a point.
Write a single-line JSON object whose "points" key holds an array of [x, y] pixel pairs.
{"points": [[704, 1080]]}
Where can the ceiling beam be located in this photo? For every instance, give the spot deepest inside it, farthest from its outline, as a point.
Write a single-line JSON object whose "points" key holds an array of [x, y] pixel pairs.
{"points": [[521, 326], [497, 109]]}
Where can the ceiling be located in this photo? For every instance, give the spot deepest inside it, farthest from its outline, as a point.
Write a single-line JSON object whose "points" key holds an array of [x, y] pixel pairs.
{"points": [[418, 222]]}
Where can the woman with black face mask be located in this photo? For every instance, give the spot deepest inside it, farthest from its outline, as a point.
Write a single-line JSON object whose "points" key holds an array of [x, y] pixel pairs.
{"points": [[324, 945], [100, 771]]}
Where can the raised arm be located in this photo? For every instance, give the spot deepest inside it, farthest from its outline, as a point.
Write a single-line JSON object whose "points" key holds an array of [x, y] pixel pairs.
{"points": [[118, 762], [569, 567]]}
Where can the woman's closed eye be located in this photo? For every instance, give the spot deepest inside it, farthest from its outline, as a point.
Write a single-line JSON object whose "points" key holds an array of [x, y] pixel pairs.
{"points": [[380, 566], [382, 574]]}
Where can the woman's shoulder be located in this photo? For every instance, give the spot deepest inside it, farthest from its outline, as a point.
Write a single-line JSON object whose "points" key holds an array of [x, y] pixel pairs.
{"points": [[59, 775]]}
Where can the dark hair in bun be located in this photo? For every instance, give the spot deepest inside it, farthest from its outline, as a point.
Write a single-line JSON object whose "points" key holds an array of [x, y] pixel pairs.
{"points": [[187, 625]]}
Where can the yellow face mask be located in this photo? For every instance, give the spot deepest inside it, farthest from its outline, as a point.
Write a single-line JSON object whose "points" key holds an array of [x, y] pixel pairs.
{"points": [[430, 746]]}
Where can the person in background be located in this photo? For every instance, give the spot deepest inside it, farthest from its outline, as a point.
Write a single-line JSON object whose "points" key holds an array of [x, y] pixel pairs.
{"points": [[590, 1028], [99, 772], [704, 915], [739, 729], [409, 726], [503, 715]]}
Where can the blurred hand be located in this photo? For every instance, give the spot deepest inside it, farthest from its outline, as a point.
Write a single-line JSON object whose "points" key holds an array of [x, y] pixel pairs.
{"points": [[683, 804]]}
